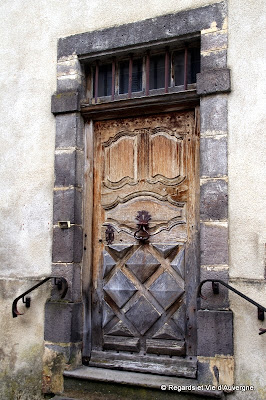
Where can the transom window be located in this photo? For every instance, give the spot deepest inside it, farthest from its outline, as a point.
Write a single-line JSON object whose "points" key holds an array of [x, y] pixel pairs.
{"points": [[143, 74]]}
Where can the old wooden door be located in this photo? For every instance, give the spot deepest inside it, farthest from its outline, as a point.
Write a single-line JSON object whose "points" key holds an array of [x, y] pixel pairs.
{"points": [[143, 303]]}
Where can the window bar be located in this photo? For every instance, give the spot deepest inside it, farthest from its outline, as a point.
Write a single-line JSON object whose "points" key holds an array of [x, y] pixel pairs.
{"points": [[185, 69], [147, 74], [166, 70], [96, 83], [130, 69], [113, 79]]}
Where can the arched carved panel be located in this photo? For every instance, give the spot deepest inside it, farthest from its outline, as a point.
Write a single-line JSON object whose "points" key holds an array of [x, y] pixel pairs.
{"points": [[166, 161], [120, 161]]}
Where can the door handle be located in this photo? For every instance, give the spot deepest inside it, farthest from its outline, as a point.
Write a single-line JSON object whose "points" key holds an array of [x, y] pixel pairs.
{"points": [[142, 233]]}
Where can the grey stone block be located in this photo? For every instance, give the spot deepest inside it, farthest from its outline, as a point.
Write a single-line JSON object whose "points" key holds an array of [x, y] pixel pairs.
{"points": [[141, 32], [63, 398], [213, 114], [79, 168], [72, 273], [214, 200], [215, 333], [65, 168], [70, 352], [215, 60], [63, 322], [67, 245], [69, 168], [65, 130], [63, 102], [70, 85], [68, 206], [213, 81], [204, 374], [213, 41], [214, 301], [80, 133], [69, 67], [213, 244], [213, 157], [63, 245], [69, 131]]}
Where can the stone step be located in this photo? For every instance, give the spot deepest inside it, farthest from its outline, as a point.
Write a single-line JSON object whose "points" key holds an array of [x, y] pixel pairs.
{"points": [[89, 383], [62, 398]]}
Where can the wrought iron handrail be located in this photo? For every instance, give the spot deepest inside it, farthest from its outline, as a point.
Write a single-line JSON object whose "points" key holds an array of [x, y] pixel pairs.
{"points": [[60, 282], [215, 289]]}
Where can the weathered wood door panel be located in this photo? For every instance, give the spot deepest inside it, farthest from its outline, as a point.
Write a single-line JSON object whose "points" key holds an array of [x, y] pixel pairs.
{"points": [[142, 291]]}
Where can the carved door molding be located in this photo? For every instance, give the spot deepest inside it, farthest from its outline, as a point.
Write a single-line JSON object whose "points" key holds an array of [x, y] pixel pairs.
{"points": [[143, 302]]}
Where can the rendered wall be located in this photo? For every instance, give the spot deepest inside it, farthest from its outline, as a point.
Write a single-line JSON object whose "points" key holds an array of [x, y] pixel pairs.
{"points": [[28, 48], [247, 228]]}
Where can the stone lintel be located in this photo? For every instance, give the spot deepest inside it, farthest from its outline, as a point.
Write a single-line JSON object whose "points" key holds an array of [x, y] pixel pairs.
{"points": [[159, 28]]}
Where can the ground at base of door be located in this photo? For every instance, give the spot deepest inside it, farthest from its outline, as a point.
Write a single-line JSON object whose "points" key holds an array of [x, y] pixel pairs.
{"points": [[81, 389]]}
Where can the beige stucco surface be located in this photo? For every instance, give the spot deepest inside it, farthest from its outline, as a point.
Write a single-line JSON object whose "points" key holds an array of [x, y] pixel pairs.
{"points": [[247, 227], [21, 342], [246, 116], [28, 40]]}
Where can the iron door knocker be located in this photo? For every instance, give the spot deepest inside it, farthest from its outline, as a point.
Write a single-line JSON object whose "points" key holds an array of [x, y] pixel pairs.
{"points": [[142, 233]]}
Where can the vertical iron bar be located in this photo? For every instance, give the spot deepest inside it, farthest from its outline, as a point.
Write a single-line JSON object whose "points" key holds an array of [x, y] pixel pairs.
{"points": [[185, 69], [215, 287], [166, 70], [155, 73], [260, 314], [113, 79], [130, 69], [96, 83], [147, 74]]}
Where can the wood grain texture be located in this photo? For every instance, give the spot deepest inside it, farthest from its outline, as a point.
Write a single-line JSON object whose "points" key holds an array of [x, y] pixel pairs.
{"points": [[174, 366], [139, 294]]}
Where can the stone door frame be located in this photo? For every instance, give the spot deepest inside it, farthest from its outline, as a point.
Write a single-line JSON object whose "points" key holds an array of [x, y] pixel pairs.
{"points": [[64, 323]]}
